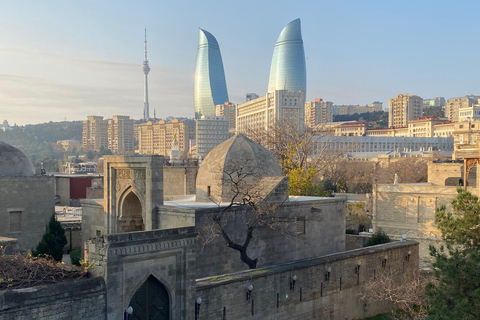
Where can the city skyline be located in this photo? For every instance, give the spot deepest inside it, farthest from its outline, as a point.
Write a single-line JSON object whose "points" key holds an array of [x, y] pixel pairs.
{"points": [[66, 60]]}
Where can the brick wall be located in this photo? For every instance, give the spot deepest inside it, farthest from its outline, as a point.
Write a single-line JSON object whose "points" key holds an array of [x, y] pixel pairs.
{"points": [[313, 297], [79, 299]]}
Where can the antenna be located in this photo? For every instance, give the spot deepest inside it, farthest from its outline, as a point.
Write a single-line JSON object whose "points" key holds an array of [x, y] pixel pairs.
{"points": [[145, 44]]}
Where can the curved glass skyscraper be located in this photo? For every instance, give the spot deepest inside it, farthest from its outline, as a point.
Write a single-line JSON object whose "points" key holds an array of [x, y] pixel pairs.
{"points": [[288, 71], [209, 85]]}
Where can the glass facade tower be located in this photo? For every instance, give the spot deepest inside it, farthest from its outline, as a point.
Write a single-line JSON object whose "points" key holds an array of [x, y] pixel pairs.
{"points": [[288, 70], [210, 88]]}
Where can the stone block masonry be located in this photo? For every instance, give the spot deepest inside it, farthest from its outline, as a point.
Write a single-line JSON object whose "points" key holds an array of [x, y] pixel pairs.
{"points": [[315, 295], [79, 299]]}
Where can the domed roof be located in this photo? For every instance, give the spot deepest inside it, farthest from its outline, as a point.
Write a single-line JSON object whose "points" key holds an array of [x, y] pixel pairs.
{"points": [[236, 154], [13, 162]]}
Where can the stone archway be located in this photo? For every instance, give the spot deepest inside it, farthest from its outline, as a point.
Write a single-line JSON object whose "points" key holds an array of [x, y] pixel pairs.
{"points": [[151, 301], [131, 218]]}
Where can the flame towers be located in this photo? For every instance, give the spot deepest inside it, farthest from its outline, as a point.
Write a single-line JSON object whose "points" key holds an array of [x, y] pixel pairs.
{"points": [[209, 86], [288, 71]]}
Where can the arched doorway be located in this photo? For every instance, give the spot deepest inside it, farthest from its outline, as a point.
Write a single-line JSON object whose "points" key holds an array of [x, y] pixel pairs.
{"points": [[151, 301], [131, 214]]}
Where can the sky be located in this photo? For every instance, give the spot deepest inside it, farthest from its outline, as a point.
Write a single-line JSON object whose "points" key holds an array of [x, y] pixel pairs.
{"points": [[70, 59]]}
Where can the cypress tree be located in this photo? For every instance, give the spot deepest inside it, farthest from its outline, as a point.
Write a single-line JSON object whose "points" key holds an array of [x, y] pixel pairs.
{"points": [[53, 240]]}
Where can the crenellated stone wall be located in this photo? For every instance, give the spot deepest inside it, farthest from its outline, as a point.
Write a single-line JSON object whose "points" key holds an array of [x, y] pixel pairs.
{"points": [[313, 296]]}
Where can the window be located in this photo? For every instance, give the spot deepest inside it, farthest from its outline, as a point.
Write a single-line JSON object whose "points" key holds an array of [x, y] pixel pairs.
{"points": [[15, 221], [300, 225]]}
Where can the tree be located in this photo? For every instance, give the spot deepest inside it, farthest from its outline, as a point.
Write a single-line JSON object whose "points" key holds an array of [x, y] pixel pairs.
{"points": [[405, 291], [456, 292], [247, 201], [378, 237], [53, 240], [300, 157]]}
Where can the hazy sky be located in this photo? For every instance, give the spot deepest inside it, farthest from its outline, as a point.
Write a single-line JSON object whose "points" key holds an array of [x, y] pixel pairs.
{"points": [[69, 59]]}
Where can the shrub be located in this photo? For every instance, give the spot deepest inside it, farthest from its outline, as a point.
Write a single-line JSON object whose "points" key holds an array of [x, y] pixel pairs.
{"points": [[75, 256], [378, 237]]}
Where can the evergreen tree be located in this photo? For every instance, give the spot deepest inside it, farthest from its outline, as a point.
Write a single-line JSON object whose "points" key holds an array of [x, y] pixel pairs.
{"points": [[53, 240], [456, 292]]}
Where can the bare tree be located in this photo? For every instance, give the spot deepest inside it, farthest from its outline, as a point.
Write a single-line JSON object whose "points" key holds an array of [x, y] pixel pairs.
{"points": [[405, 291], [242, 194]]}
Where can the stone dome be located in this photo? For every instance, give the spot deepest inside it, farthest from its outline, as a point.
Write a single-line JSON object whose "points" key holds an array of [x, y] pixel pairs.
{"points": [[232, 154], [13, 162]]}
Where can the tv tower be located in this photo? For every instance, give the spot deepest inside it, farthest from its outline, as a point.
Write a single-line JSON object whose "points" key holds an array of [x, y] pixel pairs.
{"points": [[146, 69]]}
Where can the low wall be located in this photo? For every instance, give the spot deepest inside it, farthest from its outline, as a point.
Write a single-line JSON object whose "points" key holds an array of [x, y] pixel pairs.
{"points": [[79, 299], [353, 241], [314, 296]]}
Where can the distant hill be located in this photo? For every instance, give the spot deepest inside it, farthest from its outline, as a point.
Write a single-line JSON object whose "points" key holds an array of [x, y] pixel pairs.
{"points": [[37, 140]]}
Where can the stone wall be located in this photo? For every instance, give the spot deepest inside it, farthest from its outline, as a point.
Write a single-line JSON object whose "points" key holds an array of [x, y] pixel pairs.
{"points": [[313, 297], [126, 260], [26, 205], [324, 234], [175, 179], [79, 299], [410, 209], [353, 241], [438, 173]]}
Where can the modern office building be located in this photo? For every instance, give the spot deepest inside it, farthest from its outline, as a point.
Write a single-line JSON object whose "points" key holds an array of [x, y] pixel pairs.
{"points": [[403, 108], [211, 131], [120, 135], [288, 70], [95, 133], [209, 88], [318, 112]]}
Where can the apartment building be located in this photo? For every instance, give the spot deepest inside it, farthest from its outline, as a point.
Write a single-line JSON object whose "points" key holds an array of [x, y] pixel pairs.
{"points": [[403, 108], [95, 133], [121, 135], [318, 112], [157, 138]]}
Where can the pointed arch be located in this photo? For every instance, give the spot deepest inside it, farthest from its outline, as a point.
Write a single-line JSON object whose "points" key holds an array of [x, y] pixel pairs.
{"points": [[151, 300], [130, 212]]}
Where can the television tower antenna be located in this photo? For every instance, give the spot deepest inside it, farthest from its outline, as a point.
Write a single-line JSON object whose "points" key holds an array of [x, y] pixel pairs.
{"points": [[145, 69]]}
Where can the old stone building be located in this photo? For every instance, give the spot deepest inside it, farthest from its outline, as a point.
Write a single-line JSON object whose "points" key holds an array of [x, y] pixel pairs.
{"points": [[26, 199]]}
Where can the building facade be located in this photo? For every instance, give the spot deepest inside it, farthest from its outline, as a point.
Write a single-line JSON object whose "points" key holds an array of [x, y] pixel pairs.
{"points": [[227, 110], [318, 112], [403, 108], [288, 69], [120, 135], [211, 131], [263, 113], [95, 133], [157, 138], [209, 86], [352, 109], [453, 106]]}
